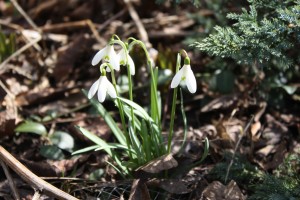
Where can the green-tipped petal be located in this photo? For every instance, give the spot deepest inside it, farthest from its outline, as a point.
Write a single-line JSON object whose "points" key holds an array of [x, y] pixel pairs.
{"points": [[102, 89], [131, 65], [114, 59]]}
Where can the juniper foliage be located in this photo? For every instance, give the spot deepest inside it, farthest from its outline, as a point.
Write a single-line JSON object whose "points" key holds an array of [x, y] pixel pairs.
{"points": [[241, 171], [268, 34], [284, 184], [195, 2]]}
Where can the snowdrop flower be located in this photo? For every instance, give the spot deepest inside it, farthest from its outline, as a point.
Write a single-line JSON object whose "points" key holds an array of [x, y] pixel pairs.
{"points": [[185, 76], [123, 57], [103, 85], [108, 54]]}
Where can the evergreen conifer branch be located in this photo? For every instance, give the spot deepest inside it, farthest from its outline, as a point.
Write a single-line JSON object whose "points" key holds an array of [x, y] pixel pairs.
{"points": [[257, 36]]}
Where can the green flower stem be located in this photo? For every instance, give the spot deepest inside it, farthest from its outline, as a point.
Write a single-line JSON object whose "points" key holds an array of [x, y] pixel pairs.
{"points": [[153, 81], [120, 106], [115, 36], [171, 132], [170, 136], [130, 94], [123, 45]]}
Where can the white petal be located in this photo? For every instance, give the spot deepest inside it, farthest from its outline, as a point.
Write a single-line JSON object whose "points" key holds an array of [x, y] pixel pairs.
{"points": [[93, 89], [102, 89], [121, 56], [190, 80], [111, 90], [177, 78], [131, 65], [114, 59], [98, 57]]}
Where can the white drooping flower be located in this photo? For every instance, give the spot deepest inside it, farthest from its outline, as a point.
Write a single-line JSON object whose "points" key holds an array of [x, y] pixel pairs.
{"points": [[185, 76], [103, 85], [124, 57], [107, 54]]}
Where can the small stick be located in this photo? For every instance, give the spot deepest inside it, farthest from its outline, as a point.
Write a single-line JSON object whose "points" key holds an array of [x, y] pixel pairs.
{"points": [[10, 181], [23, 13], [108, 21], [236, 147], [77, 24], [141, 29], [18, 52], [8, 92], [32, 179], [36, 195]]}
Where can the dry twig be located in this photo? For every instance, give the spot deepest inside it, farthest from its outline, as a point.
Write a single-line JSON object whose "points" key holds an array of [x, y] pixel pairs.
{"points": [[24, 14], [18, 52], [10, 181], [141, 29], [236, 147], [32, 179]]}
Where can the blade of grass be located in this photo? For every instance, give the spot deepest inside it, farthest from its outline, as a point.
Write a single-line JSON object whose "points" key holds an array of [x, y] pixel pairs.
{"points": [[146, 140], [136, 120], [90, 148], [173, 110], [101, 142], [135, 143], [205, 153], [184, 121], [115, 146], [140, 111], [109, 120]]}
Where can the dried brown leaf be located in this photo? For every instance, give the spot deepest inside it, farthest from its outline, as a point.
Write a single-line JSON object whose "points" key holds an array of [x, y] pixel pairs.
{"points": [[68, 56], [62, 166], [265, 151], [278, 157], [222, 102], [159, 164], [8, 117], [255, 128], [217, 191], [171, 186], [139, 191]]}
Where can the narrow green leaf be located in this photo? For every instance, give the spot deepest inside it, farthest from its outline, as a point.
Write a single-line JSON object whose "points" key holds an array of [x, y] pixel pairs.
{"points": [[90, 148], [206, 149], [95, 139], [102, 143], [184, 120], [123, 172], [146, 140], [139, 110], [115, 146], [137, 122], [135, 143], [31, 127], [109, 120], [12, 43], [2, 44]]}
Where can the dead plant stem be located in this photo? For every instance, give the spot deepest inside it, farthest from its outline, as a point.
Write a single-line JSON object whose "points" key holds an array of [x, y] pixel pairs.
{"points": [[236, 147], [10, 181], [32, 179]]}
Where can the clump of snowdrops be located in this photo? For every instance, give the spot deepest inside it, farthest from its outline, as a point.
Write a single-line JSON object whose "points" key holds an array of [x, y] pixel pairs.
{"points": [[140, 139]]}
